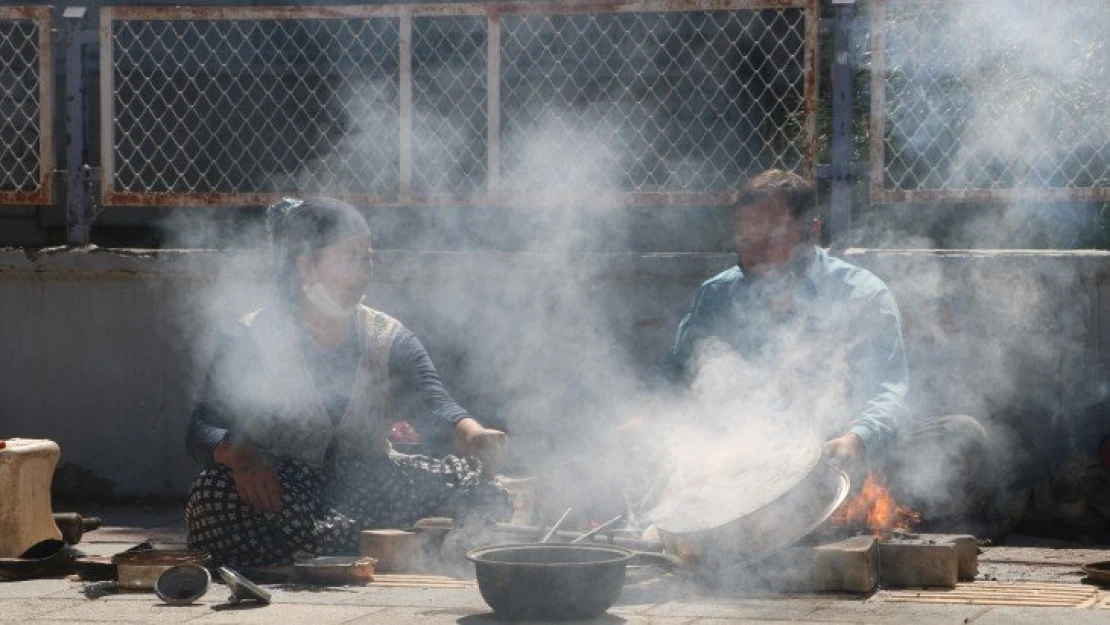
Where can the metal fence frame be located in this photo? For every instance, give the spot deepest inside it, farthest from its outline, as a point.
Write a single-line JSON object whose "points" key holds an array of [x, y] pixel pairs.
{"points": [[43, 18], [877, 132], [405, 13]]}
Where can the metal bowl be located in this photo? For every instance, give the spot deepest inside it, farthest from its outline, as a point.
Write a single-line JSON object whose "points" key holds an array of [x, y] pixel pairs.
{"points": [[749, 539], [182, 584], [550, 581]]}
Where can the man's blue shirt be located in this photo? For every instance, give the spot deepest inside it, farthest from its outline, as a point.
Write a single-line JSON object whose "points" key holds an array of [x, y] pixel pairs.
{"points": [[837, 328]]}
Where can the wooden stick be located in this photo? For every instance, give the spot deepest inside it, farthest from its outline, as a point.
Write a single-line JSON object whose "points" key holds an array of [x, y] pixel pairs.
{"points": [[555, 527]]}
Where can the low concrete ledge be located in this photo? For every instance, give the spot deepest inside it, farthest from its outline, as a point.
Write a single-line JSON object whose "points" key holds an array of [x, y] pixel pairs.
{"points": [[425, 266], [389, 265]]}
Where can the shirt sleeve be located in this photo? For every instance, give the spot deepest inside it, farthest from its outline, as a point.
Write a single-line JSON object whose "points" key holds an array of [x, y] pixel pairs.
{"points": [[880, 375], [417, 388], [693, 327], [217, 407]]}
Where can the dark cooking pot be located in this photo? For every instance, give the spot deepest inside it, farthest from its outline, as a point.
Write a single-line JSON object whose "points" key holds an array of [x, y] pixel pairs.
{"points": [[550, 581]]}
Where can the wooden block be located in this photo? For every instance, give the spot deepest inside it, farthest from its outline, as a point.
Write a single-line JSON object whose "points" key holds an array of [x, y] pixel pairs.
{"points": [[849, 565], [916, 563], [395, 550], [26, 472]]}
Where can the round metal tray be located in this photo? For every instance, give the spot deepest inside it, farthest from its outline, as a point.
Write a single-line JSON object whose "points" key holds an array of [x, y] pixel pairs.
{"points": [[748, 540]]}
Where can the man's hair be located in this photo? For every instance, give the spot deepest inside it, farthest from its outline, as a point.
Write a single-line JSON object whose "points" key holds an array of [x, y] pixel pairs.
{"points": [[795, 191]]}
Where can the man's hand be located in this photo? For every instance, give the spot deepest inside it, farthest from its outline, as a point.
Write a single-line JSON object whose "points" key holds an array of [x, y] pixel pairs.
{"points": [[255, 478], [489, 446], [846, 451]]}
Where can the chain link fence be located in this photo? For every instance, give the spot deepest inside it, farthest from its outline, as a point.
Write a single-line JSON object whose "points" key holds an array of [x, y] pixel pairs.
{"points": [[672, 101], [686, 102], [970, 104], [26, 82], [237, 105]]}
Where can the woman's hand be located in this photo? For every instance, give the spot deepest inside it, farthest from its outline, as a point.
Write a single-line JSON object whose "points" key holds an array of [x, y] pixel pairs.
{"points": [[255, 478], [488, 446]]}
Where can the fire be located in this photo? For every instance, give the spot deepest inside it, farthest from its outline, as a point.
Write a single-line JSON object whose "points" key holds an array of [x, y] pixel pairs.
{"points": [[876, 508]]}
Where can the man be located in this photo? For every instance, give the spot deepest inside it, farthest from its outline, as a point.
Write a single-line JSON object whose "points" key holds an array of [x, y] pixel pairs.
{"points": [[826, 338]]}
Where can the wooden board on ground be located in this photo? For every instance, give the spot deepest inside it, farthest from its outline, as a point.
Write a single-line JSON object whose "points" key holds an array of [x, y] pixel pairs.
{"points": [[397, 580], [995, 593]]}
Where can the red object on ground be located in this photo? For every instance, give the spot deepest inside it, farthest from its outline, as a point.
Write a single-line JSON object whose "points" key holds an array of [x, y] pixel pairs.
{"points": [[3, 444]]}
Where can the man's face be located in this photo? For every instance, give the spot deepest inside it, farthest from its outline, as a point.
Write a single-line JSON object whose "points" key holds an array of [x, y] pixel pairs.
{"points": [[766, 235]]}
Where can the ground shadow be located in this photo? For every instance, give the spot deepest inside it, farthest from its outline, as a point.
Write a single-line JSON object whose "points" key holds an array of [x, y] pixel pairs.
{"points": [[490, 617]]}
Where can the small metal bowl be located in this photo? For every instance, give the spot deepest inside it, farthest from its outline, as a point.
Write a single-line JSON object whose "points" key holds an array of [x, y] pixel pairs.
{"points": [[182, 584]]}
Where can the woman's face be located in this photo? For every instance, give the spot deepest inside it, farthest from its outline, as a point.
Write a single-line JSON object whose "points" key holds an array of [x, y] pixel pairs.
{"points": [[344, 268]]}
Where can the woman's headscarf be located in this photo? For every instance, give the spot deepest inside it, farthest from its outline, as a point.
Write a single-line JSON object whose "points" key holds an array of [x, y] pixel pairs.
{"points": [[306, 226]]}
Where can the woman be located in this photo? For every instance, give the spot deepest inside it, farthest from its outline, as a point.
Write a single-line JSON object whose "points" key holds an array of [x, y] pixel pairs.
{"points": [[293, 422]]}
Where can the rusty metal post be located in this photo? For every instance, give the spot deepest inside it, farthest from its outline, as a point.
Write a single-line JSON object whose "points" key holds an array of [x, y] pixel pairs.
{"points": [[77, 204], [877, 121], [493, 106], [840, 199], [405, 103]]}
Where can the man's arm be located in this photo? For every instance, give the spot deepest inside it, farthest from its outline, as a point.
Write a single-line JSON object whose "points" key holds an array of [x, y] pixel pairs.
{"points": [[880, 375], [693, 327]]}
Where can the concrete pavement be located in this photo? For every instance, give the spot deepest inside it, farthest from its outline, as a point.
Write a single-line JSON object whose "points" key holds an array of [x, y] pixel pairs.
{"points": [[1032, 575]]}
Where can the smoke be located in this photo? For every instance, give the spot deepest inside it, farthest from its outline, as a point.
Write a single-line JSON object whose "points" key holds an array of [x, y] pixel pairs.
{"points": [[992, 96], [539, 340]]}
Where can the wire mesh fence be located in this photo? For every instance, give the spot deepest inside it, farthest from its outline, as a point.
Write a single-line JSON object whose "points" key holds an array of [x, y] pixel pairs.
{"points": [[252, 104], [25, 106], [685, 101], [970, 104], [671, 101]]}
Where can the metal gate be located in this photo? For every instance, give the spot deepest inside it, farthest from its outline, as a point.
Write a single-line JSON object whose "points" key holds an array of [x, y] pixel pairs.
{"points": [[664, 102], [960, 116], [26, 106]]}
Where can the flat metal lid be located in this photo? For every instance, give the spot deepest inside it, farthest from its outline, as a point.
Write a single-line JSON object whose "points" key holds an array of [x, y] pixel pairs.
{"points": [[182, 584], [727, 482], [242, 589]]}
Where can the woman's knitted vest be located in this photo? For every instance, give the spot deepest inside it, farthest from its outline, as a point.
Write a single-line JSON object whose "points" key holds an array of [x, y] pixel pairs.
{"points": [[293, 422]]}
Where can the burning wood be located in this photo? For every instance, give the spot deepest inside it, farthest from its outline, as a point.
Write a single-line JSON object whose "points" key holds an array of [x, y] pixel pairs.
{"points": [[876, 509]]}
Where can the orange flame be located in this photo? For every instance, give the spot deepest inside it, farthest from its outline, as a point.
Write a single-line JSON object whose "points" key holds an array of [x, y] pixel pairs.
{"points": [[876, 508]]}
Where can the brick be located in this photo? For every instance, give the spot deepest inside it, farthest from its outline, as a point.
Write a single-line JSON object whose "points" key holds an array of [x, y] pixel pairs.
{"points": [[849, 565], [916, 563], [967, 554]]}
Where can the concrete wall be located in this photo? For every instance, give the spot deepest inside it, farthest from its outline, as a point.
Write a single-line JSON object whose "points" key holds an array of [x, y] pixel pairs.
{"points": [[104, 351]]}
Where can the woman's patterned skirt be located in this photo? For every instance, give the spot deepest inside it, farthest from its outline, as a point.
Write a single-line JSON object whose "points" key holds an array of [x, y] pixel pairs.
{"points": [[325, 509]]}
